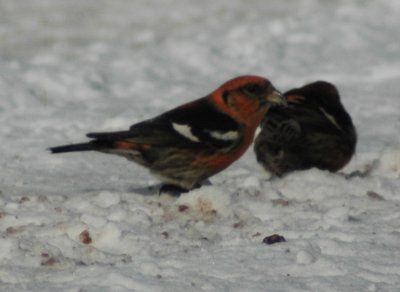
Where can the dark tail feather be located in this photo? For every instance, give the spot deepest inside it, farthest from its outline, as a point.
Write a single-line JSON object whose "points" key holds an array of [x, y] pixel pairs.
{"points": [[111, 136], [101, 141], [74, 147]]}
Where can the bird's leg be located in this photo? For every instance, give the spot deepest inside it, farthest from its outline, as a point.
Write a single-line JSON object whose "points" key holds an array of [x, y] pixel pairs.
{"points": [[176, 191], [172, 190]]}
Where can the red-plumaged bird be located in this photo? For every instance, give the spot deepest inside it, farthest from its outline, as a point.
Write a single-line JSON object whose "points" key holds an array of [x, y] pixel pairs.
{"points": [[190, 143], [314, 130]]}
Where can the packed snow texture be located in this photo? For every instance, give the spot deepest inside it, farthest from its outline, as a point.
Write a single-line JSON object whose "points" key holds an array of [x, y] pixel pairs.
{"points": [[94, 222]]}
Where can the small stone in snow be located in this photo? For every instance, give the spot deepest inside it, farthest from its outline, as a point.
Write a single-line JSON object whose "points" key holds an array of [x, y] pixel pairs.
{"points": [[374, 196], [48, 260], [280, 202], [24, 199], [238, 224], [14, 230], [183, 208], [85, 238], [275, 238]]}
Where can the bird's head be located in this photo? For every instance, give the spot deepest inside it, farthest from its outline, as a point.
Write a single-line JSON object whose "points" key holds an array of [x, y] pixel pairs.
{"points": [[324, 97], [319, 93], [247, 98]]}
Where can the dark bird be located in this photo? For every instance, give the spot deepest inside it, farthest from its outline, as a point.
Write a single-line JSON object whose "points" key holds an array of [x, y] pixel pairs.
{"points": [[190, 143], [314, 130]]}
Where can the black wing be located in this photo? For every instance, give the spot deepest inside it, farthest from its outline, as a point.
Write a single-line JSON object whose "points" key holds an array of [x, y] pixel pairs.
{"points": [[196, 124]]}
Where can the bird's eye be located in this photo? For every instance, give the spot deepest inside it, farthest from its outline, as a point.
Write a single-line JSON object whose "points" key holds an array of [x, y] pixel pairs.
{"points": [[253, 89], [225, 96]]}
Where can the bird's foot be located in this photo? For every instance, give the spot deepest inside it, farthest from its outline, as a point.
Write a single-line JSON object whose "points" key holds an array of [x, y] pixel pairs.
{"points": [[172, 190], [176, 191]]}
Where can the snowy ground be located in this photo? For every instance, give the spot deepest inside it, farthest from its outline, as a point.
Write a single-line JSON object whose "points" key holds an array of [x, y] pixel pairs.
{"points": [[92, 222]]}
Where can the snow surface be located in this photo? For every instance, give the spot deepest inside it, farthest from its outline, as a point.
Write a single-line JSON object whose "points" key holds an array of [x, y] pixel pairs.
{"points": [[92, 222]]}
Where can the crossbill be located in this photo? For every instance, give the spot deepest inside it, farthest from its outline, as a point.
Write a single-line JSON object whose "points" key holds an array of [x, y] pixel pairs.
{"points": [[186, 145], [314, 130]]}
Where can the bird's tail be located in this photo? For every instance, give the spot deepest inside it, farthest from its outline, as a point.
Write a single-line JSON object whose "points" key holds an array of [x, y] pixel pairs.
{"points": [[74, 147], [101, 142]]}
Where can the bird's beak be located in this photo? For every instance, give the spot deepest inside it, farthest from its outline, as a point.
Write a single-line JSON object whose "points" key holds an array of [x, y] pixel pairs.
{"points": [[276, 98], [294, 98]]}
